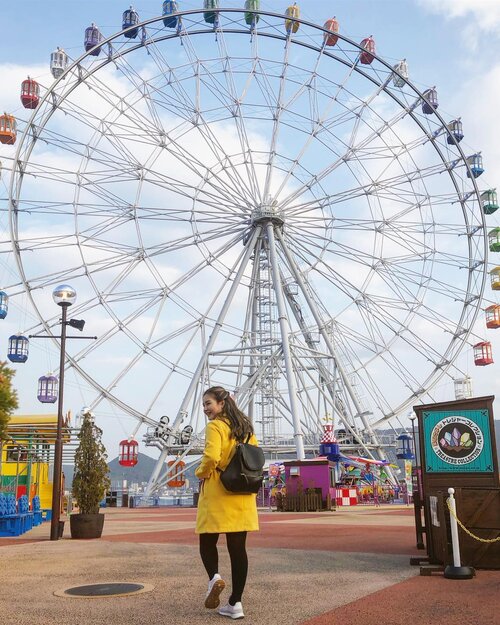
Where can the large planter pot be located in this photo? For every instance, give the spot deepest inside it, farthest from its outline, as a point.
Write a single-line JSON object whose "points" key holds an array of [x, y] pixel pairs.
{"points": [[86, 525]]}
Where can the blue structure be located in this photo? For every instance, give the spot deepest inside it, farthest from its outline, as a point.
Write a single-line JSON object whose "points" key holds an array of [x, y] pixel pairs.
{"points": [[18, 348], [403, 449], [170, 8], [130, 18], [431, 104], [92, 39], [476, 166], [455, 131], [4, 304]]}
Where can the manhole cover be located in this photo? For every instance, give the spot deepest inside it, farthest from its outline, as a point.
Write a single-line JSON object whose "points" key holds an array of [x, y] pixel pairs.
{"points": [[104, 590]]}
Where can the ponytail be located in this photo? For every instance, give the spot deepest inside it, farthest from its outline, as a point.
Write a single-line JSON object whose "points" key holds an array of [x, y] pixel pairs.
{"points": [[240, 424]]}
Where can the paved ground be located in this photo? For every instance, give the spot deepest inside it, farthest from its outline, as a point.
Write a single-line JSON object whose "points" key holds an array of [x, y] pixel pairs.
{"points": [[349, 567]]}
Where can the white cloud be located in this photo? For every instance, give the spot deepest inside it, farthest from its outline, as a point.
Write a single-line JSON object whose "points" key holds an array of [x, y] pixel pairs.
{"points": [[484, 13]]}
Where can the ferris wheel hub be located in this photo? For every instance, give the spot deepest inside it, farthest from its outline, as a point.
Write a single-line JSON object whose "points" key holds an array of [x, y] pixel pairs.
{"points": [[267, 212]]}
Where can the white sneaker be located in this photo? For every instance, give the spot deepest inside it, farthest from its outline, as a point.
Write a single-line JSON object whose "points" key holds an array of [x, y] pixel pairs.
{"points": [[233, 611], [215, 586]]}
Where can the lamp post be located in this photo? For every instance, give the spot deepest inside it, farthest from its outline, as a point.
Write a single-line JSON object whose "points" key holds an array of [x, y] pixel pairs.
{"points": [[63, 295], [417, 501]]}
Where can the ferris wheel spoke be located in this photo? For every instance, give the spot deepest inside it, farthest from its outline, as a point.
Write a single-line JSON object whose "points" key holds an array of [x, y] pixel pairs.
{"points": [[276, 120], [198, 120], [158, 136], [318, 123], [238, 100], [352, 148]]}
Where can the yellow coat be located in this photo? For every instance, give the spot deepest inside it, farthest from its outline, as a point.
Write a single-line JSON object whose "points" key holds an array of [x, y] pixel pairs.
{"points": [[220, 511]]}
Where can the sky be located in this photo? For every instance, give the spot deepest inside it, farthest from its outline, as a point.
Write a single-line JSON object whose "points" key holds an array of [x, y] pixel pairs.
{"points": [[448, 43]]}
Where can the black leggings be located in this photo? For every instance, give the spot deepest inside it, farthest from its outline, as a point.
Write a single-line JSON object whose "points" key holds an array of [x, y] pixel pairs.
{"points": [[238, 555]]}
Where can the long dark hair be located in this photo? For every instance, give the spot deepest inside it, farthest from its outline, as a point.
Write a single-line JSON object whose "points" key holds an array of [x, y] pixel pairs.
{"points": [[240, 424]]}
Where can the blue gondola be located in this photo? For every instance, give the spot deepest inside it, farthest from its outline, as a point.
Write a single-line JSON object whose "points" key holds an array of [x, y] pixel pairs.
{"points": [[47, 389], [4, 304], [403, 449], [170, 9], [476, 166], [431, 104], [18, 348], [209, 16], [455, 130], [93, 38], [130, 18]]}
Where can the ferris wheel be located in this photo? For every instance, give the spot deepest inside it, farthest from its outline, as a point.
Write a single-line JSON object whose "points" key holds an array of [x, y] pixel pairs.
{"points": [[252, 201]]}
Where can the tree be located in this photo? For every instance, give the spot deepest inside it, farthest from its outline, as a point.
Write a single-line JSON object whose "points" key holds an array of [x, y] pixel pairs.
{"points": [[90, 480], [8, 398]]}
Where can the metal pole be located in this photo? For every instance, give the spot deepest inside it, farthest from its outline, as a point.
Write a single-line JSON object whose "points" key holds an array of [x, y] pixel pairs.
{"points": [[457, 571], [454, 529], [287, 355], [56, 484], [418, 468]]}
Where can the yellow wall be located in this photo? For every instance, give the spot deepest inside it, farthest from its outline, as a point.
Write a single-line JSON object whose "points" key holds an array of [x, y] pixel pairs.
{"points": [[43, 426]]}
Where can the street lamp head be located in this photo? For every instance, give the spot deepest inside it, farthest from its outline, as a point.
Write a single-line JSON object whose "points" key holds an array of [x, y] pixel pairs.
{"points": [[64, 295]]}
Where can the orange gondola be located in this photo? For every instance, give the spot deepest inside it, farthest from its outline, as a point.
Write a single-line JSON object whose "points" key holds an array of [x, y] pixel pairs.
{"points": [[175, 477], [8, 131], [493, 316]]}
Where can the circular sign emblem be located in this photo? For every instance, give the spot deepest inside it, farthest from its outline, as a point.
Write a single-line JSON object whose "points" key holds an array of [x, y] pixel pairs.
{"points": [[457, 440]]}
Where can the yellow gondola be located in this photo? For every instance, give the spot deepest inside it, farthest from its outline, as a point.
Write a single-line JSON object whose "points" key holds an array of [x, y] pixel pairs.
{"points": [[292, 13]]}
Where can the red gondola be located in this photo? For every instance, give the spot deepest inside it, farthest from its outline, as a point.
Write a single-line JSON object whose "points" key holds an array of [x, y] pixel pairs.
{"points": [[129, 451], [30, 93], [483, 354], [366, 57], [333, 26]]}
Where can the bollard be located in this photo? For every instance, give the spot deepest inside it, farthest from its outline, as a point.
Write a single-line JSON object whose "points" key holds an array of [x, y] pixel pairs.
{"points": [[456, 571]]}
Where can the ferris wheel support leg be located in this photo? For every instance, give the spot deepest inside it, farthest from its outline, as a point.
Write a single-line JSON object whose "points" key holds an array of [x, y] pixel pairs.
{"points": [[201, 364], [319, 322], [285, 332], [253, 326]]}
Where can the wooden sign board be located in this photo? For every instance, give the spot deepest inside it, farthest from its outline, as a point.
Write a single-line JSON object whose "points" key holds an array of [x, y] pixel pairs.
{"points": [[458, 450]]}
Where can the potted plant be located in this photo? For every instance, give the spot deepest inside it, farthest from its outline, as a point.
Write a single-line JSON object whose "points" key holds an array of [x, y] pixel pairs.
{"points": [[90, 481]]}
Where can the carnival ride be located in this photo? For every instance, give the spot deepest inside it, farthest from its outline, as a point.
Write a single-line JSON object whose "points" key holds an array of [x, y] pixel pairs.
{"points": [[249, 199]]}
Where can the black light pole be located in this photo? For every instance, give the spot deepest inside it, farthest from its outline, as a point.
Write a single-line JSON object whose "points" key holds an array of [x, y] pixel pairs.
{"points": [[64, 296], [417, 501]]}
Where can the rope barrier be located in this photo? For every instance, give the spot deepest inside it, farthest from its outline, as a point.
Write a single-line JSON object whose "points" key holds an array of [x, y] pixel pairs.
{"points": [[481, 540]]}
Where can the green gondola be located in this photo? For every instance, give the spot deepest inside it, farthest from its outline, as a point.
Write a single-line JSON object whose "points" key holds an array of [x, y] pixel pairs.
{"points": [[252, 5], [210, 16]]}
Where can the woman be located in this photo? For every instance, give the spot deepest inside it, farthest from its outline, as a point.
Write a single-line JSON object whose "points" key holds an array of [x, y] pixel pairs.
{"points": [[220, 511]]}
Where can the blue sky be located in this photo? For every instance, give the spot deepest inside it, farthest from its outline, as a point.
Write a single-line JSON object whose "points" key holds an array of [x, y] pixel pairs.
{"points": [[450, 44]]}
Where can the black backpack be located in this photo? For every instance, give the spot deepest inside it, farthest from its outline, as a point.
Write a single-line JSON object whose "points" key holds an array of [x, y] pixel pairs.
{"points": [[244, 473]]}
